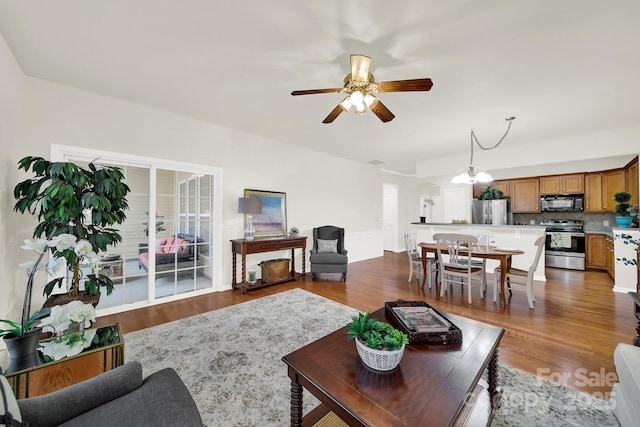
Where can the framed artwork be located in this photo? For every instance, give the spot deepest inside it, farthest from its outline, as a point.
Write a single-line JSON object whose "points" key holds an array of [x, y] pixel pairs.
{"points": [[272, 222]]}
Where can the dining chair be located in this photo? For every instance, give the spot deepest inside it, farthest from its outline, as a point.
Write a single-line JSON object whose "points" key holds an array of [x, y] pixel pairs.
{"points": [[455, 264], [415, 258], [516, 276], [484, 241]]}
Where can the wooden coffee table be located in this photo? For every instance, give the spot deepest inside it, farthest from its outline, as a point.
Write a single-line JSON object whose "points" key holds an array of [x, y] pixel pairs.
{"points": [[435, 385]]}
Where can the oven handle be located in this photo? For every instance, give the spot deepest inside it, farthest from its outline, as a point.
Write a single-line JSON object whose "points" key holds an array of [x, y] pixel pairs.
{"points": [[549, 233]]}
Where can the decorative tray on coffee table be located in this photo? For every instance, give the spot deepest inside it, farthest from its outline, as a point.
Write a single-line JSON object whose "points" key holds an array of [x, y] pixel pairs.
{"points": [[422, 323]]}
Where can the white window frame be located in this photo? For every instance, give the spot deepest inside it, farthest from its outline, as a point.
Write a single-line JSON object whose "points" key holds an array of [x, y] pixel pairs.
{"points": [[62, 153]]}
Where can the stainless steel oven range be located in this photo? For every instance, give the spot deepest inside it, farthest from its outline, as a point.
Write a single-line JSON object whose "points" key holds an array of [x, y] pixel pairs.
{"points": [[565, 245]]}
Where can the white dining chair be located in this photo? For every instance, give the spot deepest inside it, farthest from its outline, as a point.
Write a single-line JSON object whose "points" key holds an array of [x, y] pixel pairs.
{"points": [[484, 241], [415, 261], [415, 258], [455, 264], [522, 278]]}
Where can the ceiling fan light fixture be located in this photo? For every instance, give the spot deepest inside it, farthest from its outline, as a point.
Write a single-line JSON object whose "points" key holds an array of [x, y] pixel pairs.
{"points": [[370, 100], [360, 86], [360, 67], [346, 103]]}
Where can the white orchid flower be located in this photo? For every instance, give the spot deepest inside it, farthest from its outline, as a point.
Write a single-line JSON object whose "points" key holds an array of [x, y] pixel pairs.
{"points": [[39, 246], [28, 265], [81, 313], [57, 321], [56, 266], [83, 248], [63, 242]]}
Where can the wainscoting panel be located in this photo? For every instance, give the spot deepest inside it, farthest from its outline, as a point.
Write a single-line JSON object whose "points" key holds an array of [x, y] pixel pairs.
{"points": [[362, 245]]}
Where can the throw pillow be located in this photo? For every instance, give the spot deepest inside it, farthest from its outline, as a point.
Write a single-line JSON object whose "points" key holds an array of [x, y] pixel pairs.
{"points": [[327, 245], [9, 411], [174, 244]]}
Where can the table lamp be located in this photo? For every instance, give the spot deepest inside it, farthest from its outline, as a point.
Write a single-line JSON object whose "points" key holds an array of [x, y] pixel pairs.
{"points": [[249, 206]]}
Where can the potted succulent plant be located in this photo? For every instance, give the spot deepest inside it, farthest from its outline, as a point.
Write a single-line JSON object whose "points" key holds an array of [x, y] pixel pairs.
{"points": [[623, 209], [379, 345], [76, 208]]}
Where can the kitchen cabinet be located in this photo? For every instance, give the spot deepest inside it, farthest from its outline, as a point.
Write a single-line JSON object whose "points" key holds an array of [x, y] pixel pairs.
{"points": [[612, 182], [600, 188], [610, 258], [631, 177], [525, 195], [597, 252], [502, 185], [562, 184], [593, 192]]}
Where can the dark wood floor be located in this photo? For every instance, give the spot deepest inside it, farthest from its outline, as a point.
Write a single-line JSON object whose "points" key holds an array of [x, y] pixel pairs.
{"points": [[569, 337]]}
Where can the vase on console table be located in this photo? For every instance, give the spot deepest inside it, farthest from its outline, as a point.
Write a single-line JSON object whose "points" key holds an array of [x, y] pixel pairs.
{"points": [[23, 350]]}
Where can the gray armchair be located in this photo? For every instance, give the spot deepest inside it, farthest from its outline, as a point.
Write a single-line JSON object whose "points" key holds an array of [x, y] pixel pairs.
{"points": [[328, 254], [115, 398]]}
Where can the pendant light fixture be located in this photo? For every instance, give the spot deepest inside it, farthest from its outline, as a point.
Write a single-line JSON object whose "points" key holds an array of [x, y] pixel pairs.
{"points": [[472, 174]]}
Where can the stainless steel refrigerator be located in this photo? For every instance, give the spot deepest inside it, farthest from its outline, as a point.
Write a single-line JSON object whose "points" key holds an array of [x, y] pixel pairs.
{"points": [[496, 212]]}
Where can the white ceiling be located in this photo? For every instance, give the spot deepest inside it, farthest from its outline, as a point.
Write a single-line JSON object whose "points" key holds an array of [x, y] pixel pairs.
{"points": [[563, 67]]}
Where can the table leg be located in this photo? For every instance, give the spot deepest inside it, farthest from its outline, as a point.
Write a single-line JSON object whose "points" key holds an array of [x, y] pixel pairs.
{"points": [[304, 263], [243, 286], [424, 266], [233, 270], [636, 339], [293, 263], [505, 265], [495, 392], [492, 372], [296, 404]]}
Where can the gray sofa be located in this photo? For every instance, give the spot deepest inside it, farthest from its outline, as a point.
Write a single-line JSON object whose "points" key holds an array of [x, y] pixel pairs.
{"points": [[624, 396], [170, 257], [120, 397]]}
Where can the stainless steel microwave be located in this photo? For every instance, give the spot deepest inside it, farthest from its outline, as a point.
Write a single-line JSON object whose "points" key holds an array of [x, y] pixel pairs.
{"points": [[562, 203]]}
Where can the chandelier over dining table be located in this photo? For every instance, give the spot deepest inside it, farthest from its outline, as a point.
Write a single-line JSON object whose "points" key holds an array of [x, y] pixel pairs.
{"points": [[472, 174]]}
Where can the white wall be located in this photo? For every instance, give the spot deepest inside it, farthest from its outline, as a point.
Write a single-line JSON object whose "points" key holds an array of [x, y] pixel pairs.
{"points": [[321, 189], [11, 229], [578, 153]]}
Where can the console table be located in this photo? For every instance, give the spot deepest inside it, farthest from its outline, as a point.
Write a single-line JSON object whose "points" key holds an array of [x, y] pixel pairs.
{"points": [[45, 376], [243, 247]]}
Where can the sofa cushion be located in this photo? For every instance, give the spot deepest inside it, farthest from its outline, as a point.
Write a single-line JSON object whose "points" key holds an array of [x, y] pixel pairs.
{"points": [[328, 258], [627, 359], [174, 244], [327, 246], [163, 400], [63, 405], [9, 410]]}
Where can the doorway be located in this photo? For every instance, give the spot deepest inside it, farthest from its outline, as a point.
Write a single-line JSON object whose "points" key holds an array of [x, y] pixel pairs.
{"points": [[390, 217]]}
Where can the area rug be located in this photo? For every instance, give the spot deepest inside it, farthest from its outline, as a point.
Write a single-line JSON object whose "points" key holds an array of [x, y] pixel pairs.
{"points": [[230, 360]]}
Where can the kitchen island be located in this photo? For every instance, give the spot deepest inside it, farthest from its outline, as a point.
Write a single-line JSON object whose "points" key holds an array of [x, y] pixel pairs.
{"points": [[512, 236]]}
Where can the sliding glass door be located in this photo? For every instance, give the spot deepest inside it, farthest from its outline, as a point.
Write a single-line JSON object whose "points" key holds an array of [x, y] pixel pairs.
{"points": [[170, 240]]}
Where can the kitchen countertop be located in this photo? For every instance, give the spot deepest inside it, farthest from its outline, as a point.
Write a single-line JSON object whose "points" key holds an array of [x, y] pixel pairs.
{"points": [[526, 226]]}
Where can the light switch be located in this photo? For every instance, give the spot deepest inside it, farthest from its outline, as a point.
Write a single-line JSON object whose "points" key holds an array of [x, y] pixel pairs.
{"points": [[605, 223]]}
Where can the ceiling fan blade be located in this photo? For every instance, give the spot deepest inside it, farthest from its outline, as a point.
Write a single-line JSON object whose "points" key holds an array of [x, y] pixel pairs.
{"points": [[314, 91], [405, 85], [360, 67], [383, 113], [333, 114]]}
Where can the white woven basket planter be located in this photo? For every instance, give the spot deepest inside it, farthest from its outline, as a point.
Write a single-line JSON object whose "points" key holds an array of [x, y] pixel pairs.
{"points": [[379, 360]]}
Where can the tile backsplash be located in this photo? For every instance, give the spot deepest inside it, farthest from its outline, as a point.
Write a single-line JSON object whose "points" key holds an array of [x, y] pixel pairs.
{"points": [[592, 221]]}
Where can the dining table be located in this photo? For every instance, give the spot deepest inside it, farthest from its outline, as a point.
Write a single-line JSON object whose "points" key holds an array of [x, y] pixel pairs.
{"points": [[502, 254]]}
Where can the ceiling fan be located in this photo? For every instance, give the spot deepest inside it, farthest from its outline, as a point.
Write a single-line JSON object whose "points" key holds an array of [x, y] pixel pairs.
{"points": [[360, 87]]}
